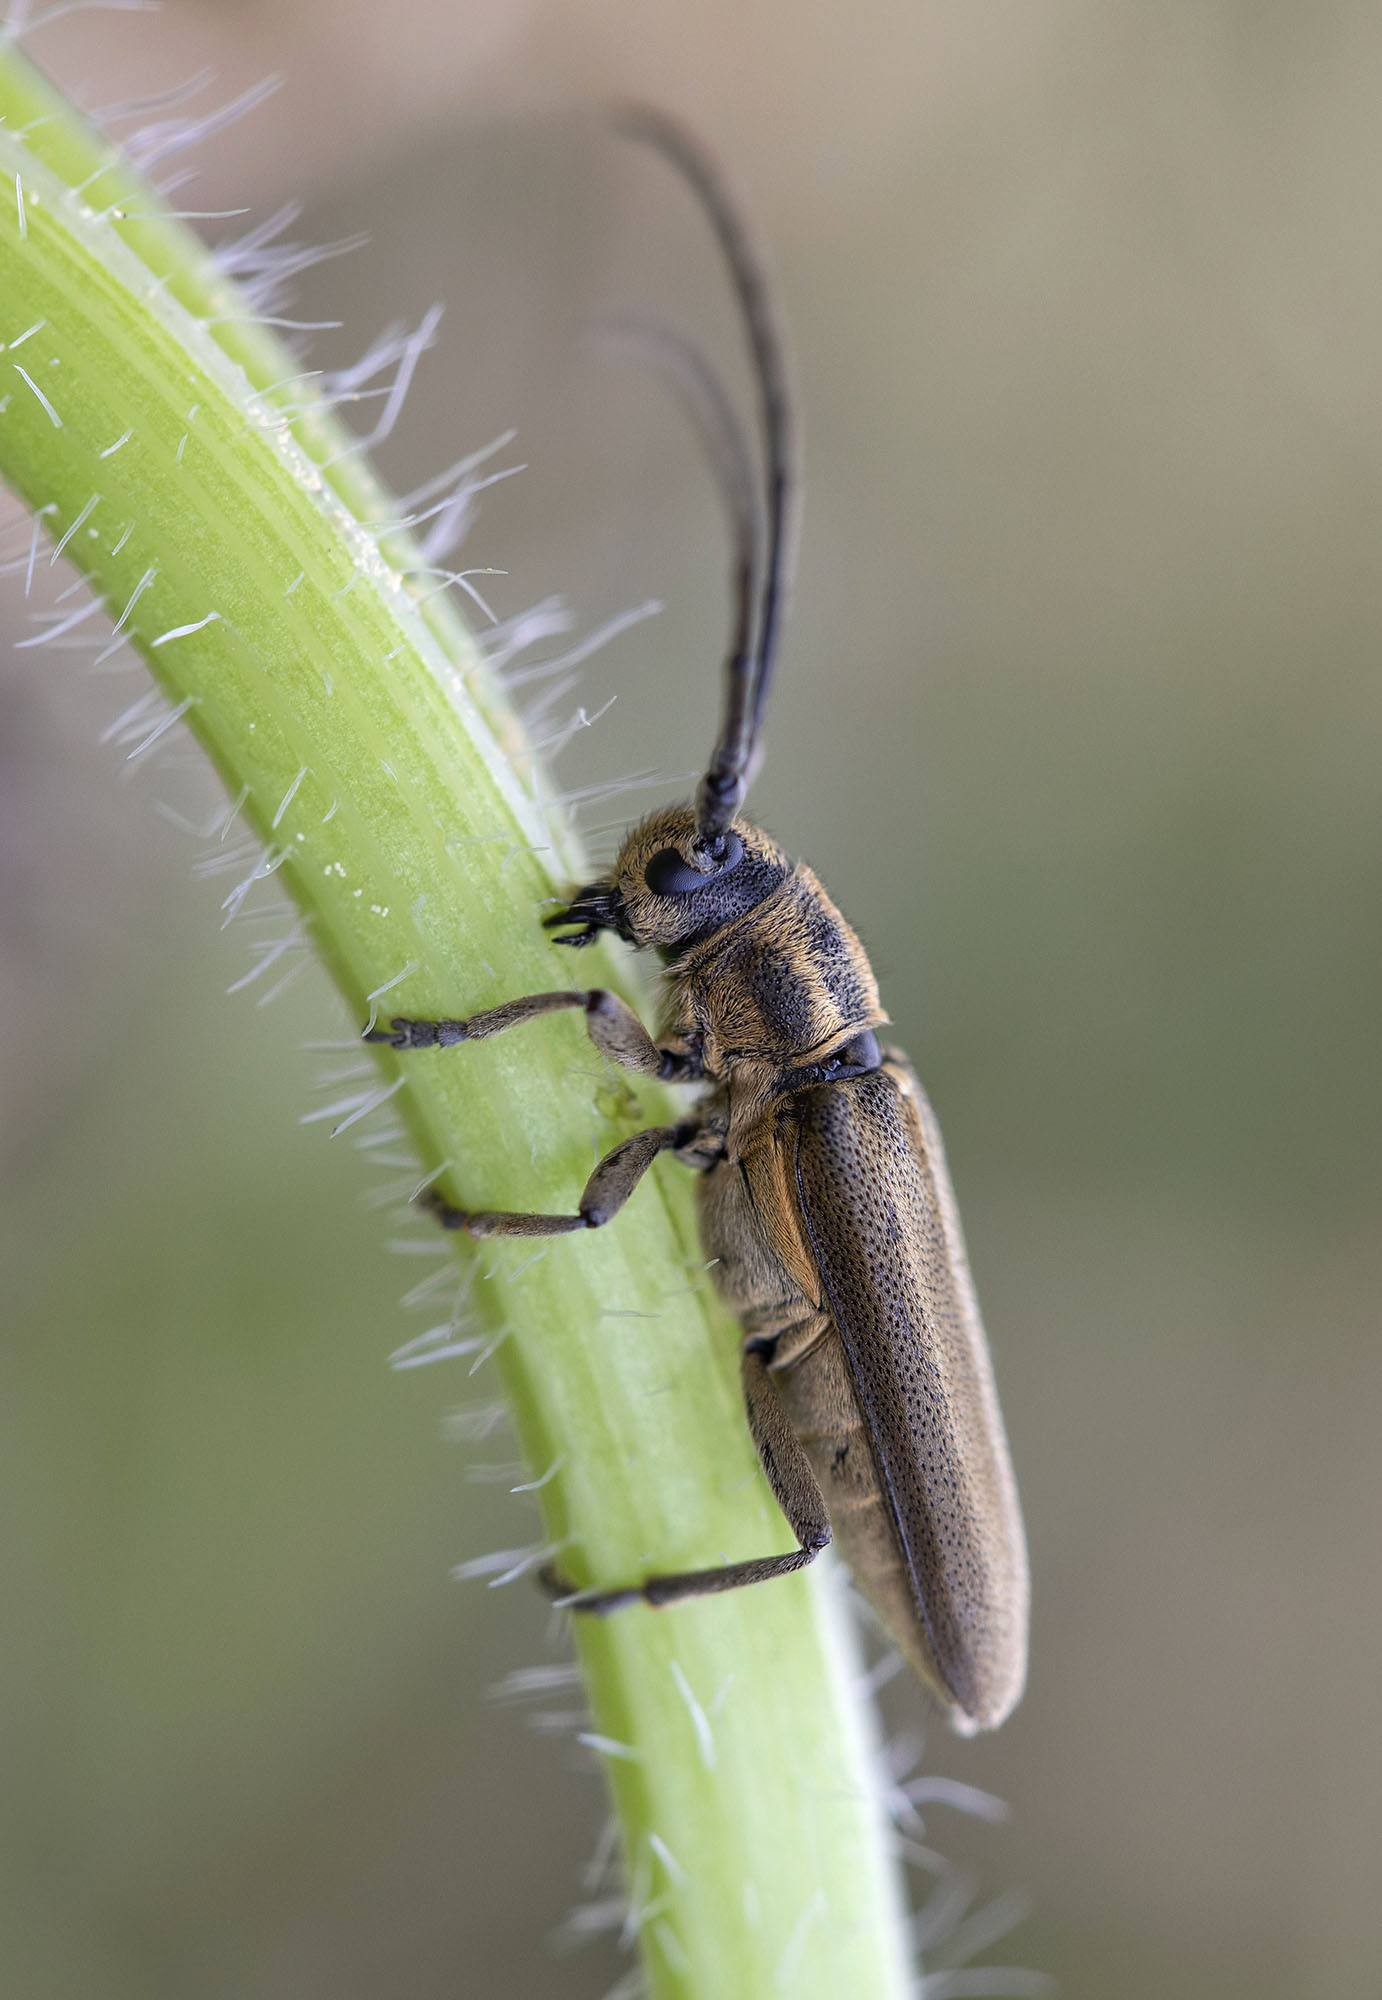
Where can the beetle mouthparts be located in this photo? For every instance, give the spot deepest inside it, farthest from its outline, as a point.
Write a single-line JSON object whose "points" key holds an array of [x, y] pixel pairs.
{"points": [[592, 910]]}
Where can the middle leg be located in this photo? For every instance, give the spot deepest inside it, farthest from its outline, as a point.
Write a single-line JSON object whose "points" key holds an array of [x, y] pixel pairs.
{"points": [[605, 1193]]}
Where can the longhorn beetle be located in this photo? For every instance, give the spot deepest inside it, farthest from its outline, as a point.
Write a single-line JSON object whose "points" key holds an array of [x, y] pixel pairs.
{"points": [[824, 1196]]}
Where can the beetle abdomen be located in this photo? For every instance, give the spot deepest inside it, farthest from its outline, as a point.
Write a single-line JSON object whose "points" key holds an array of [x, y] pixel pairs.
{"points": [[835, 1235], [884, 1232], [817, 1391]]}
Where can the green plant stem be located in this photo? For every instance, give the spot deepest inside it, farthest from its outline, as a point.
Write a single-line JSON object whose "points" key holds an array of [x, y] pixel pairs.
{"points": [[231, 537]]}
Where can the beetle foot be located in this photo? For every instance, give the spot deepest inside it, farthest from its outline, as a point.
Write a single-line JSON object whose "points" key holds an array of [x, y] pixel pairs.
{"points": [[405, 1033], [566, 1597]]}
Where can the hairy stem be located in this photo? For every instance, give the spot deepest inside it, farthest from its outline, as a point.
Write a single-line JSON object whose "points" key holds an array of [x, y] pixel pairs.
{"points": [[243, 549]]}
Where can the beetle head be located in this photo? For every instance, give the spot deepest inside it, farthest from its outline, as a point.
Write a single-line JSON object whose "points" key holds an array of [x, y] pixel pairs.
{"points": [[665, 890]]}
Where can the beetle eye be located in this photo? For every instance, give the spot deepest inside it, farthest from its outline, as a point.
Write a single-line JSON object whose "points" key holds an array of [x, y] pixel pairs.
{"points": [[671, 874]]}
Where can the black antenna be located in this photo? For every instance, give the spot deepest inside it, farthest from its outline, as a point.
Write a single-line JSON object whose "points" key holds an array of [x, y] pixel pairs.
{"points": [[749, 665], [681, 362]]}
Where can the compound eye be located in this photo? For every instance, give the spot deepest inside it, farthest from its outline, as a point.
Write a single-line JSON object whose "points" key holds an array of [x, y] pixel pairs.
{"points": [[671, 874]]}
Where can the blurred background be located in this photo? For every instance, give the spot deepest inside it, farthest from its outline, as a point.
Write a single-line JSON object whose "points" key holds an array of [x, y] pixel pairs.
{"points": [[1079, 719]]}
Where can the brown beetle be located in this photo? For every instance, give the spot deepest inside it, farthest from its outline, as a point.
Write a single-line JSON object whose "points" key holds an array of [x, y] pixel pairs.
{"points": [[824, 1195]]}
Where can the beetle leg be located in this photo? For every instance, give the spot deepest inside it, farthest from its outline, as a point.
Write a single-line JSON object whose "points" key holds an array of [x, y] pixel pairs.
{"points": [[614, 1028], [794, 1487], [605, 1193], [618, 1033], [405, 1033]]}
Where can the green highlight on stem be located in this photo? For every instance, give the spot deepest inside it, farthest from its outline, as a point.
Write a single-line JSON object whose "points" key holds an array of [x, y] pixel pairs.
{"points": [[237, 539]]}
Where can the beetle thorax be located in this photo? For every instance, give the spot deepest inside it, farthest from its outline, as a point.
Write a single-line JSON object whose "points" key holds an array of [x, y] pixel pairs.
{"points": [[779, 987]]}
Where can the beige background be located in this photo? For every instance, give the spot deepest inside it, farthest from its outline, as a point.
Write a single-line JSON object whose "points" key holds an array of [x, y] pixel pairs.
{"points": [[1079, 718]]}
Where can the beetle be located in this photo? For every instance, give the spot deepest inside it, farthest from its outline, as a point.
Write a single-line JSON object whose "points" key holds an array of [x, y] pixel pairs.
{"points": [[824, 1198]]}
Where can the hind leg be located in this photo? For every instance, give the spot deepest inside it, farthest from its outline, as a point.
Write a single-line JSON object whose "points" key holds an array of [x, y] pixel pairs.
{"points": [[794, 1486], [605, 1193]]}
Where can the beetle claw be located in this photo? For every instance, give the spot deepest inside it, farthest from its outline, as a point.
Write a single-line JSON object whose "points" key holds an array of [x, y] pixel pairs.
{"points": [[437, 1206], [559, 1588]]}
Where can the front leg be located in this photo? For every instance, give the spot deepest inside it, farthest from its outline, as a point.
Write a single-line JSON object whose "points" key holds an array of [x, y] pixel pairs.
{"points": [[608, 1188], [614, 1028]]}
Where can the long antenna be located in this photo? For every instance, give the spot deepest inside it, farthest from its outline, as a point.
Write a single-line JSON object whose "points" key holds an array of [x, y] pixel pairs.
{"points": [[682, 364], [748, 668]]}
